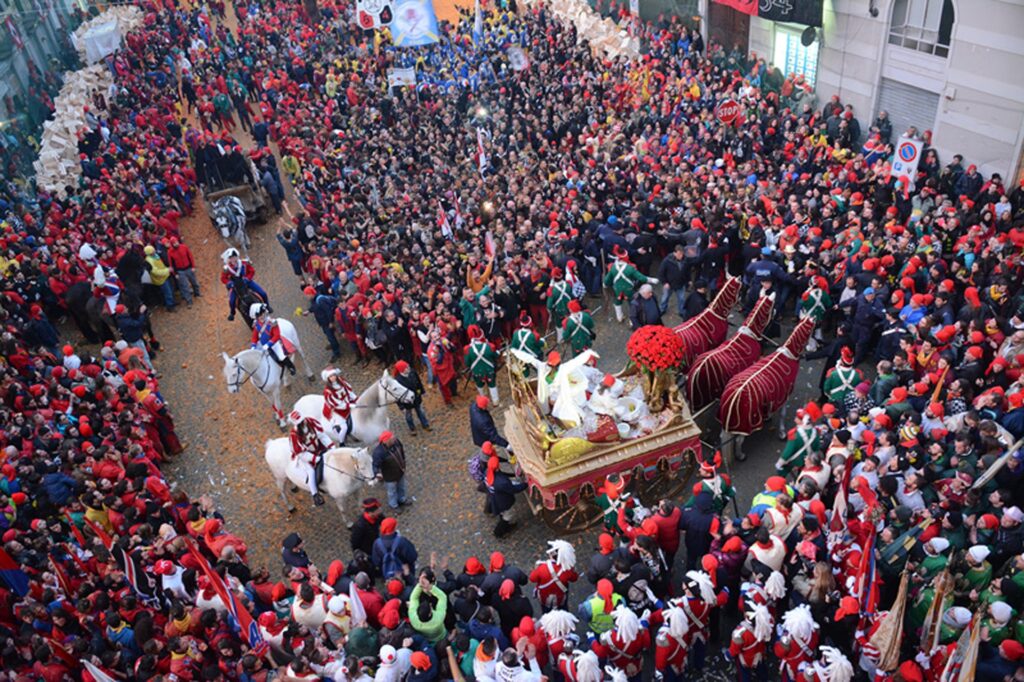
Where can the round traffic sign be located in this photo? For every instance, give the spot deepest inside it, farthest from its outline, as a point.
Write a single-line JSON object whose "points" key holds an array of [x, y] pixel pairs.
{"points": [[907, 152]]}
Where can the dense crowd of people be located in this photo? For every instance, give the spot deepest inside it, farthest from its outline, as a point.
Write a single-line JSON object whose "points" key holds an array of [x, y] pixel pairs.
{"points": [[485, 207]]}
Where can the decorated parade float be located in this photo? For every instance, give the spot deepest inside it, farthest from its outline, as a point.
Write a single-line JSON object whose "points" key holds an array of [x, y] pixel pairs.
{"points": [[574, 428], [582, 436]]}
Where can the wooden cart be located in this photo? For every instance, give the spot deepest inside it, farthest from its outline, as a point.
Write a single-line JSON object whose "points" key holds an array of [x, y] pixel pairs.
{"points": [[564, 494]]}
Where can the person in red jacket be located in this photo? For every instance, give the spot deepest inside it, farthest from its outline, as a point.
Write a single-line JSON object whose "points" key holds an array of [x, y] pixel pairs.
{"points": [[667, 519], [671, 650], [183, 264], [623, 646], [749, 642], [554, 575], [580, 666], [527, 629], [798, 642], [558, 627]]}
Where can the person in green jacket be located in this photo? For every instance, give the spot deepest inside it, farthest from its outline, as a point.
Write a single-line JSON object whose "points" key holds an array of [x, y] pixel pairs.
{"points": [[482, 362], [979, 571], [578, 328], [525, 340], [159, 276], [428, 606], [557, 302], [623, 279], [801, 441], [934, 558], [842, 378]]}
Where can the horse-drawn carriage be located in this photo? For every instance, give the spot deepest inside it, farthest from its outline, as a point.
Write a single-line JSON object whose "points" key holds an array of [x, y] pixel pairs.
{"points": [[565, 475], [232, 207]]}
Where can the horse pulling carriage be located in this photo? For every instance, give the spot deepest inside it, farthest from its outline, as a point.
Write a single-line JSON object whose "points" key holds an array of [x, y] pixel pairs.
{"points": [[231, 209], [565, 474]]}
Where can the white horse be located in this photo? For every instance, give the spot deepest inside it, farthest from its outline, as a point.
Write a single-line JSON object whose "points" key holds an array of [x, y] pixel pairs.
{"points": [[228, 216], [345, 471], [369, 414], [256, 365]]}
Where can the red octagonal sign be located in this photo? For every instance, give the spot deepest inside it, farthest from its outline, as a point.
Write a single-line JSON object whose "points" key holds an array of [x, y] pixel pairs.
{"points": [[727, 111]]}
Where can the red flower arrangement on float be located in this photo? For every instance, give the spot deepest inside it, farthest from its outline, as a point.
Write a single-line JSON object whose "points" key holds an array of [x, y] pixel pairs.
{"points": [[655, 348]]}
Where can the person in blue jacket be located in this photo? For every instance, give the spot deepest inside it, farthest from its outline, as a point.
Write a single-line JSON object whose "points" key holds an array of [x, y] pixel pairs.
{"points": [[501, 495], [59, 486]]}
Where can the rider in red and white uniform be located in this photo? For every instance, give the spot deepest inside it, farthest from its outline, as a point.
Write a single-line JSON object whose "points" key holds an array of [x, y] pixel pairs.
{"points": [[309, 443]]}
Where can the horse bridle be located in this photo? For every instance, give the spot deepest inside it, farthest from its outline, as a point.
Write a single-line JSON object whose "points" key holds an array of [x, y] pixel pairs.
{"points": [[387, 391], [345, 473], [239, 371]]}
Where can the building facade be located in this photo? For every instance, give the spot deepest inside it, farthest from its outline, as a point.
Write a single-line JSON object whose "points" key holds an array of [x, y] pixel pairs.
{"points": [[952, 67], [33, 39]]}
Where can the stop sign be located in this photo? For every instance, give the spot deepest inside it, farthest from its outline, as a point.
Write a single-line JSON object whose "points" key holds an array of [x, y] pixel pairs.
{"points": [[727, 111]]}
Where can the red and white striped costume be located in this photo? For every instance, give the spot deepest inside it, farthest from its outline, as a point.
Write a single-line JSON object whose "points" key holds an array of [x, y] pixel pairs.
{"points": [[623, 647], [554, 575], [671, 642]]}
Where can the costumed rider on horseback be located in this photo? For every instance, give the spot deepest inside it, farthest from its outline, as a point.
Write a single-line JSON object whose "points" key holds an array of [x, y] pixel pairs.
{"points": [[266, 334], [309, 443], [338, 400], [237, 267]]}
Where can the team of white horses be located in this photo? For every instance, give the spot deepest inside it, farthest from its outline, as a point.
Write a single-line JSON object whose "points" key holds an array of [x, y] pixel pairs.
{"points": [[346, 469]]}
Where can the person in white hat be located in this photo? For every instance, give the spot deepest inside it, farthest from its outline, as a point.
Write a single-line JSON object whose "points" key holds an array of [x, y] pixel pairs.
{"points": [[979, 571], [954, 620], [394, 664], [935, 559], [998, 621]]}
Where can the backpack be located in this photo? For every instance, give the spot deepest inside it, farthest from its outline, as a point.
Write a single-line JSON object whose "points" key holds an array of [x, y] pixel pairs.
{"points": [[389, 564], [477, 468]]}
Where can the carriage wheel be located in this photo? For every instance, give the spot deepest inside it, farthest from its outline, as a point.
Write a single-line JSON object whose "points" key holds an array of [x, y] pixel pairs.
{"points": [[666, 483], [567, 519]]}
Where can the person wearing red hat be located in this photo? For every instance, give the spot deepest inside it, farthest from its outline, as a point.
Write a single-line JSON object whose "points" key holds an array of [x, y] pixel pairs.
{"points": [[481, 424], [501, 492], [339, 397], [559, 295], [526, 340], [441, 356], [578, 328], [841, 379], [408, 377], [323, 308], [393, 554], [482, 361], [389, 466], [623, 279], [597, 609]]}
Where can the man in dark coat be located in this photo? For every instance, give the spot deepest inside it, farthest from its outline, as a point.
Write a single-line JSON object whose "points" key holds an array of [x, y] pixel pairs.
{"points": [[695, 521], [293, 554], [501, 495], [389, 466], [407, 376], [366, 528], [322, 306], [644, 309], [393, 554], [481, 424]]}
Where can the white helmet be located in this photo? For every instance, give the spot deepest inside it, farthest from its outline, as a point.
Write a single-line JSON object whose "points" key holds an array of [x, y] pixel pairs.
{"points": [[232, 252], [257, 309]]}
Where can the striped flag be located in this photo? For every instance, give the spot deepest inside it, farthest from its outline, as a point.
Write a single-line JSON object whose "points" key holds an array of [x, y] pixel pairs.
{"points": [[101, 533], [443, 222], [62, 578], [242, 620], [136, 575], [478, 25], [480, 152], [97, 674], [12, 575]]}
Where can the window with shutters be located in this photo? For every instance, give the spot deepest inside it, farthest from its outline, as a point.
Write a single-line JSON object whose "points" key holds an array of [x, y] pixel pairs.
{"points": [[922, 25]]}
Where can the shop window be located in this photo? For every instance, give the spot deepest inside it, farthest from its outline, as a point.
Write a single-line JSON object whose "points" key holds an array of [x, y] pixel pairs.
{"points": [[792, 56]]}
